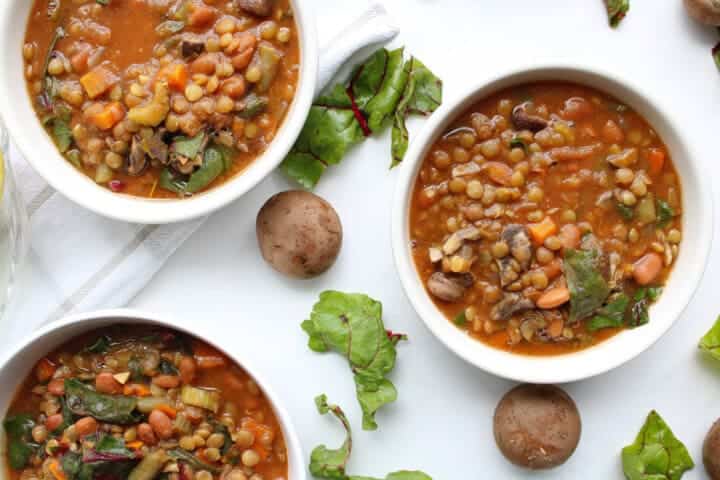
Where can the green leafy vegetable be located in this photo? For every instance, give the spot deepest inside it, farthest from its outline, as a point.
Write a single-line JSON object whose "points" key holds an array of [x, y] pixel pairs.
{"points": [[383, 87], [518, 142], [656, 453], [103, 2], [101, 345], [62, 134], [616, 11], [189, 147], [422, 95], [254, 106], [588, 288], [612, 315], [330, 463], [20, 446], [83, 400], [186, 457], [460, 319], [625, 212], [212, 167], [351, 324], [665, 213], [168, 27], [167, 368], [716, 55], [639, 309], [710, 342], [215, 161]]}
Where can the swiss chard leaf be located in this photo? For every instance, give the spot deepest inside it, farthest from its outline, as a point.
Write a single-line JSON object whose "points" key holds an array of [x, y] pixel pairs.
{"points": [[625, 212], [716, 55], [611, 315], [117, 409], [382, 106], [351, 324], [616, 11], [588, 288], [665, 213], [710, 342], [212, 167], [189, 147], [20, 446], [422, 95], [330, 463], [62, 134], [167, 368], [639, 309], [101, 345], [656, 453]]}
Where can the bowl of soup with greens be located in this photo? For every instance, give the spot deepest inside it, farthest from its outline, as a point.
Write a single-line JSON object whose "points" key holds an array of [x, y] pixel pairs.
{"points": [[158, 107], [544, 219], [124, 397]]}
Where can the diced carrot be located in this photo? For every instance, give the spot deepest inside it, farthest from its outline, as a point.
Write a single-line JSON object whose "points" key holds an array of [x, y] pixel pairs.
{"points": [[176, 76], [201, 16], [98, 81], [109, 116], [136, 389], [136, 445], [209, 361], [656, 160], [540, 231], [44, 370], [167, 410], [57, 470]]}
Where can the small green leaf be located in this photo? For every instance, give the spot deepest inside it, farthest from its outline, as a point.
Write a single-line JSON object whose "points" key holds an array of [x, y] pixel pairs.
{"points": [[330, 463], [62, 134], [20, 446], [616, 11], [460, 319], [101, 345], [588, 288], [103, 2], [639, 309], [625, 212], [189, 147], [168, 27], [83, 400], [656, 453], [710, 342], [254, 106], [665, 213], [612, 315]]}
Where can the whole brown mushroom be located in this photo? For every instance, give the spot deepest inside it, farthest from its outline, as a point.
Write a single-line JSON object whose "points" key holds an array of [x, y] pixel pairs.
{"points": [[299, 233], [537, 426], [711, 452], [704, 11]]}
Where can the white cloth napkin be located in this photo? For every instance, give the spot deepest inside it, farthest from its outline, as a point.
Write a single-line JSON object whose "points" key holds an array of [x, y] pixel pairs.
{"points": [[79, 261]]}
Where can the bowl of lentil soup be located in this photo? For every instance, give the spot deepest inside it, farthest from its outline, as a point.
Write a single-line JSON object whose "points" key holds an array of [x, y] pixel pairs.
{"points": [[155, 111], [551, 224], [122, 394]]}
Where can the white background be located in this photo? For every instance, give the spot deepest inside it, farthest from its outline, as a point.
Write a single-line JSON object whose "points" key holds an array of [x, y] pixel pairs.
{"points": [[442, 421]]}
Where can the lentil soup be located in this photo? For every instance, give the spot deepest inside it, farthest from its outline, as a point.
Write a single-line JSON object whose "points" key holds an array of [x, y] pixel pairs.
{"points": [[546, 219], [161, 98], [149, 404]]}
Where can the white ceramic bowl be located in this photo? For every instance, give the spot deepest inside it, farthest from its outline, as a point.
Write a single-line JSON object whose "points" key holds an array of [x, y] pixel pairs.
{"points": [[686, 275], [37, 147], [18, 362]]}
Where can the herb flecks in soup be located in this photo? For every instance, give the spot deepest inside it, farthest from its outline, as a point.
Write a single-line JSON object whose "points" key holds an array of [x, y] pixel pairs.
{"points": [[546, 219], [143, 405], [161, 98]]}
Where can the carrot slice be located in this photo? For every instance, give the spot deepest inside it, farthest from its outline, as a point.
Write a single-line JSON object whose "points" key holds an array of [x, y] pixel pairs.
{"points": [[167, 409], [136, 445], [109, 116], [540, 231], [176, 76], [57, 470], [656, 160], [136, 389]]}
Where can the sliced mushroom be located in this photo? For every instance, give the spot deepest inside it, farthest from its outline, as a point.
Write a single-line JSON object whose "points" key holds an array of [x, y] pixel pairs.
{"points": [[524, 120], [450, 288], [137, 162], [616, 273], [155, 147], [191, 48], [518, 239], [261, 8], [509, 270], [511, 304]]}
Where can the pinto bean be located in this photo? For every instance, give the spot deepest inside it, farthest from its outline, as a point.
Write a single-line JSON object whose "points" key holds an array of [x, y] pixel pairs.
{"points": [[234, 87], [161, 424], [244, 51], [553, 298], [146, 434], [53, 422], [106, 383], [166, 381], [202, 16], [187, 369], [647, 268], [86, 426], [57, 387], [204, 64]]}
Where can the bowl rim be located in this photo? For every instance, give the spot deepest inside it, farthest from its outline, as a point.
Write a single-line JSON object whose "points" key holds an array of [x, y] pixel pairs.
{"points": [[67, 328], [558, 368], [34, 143]]}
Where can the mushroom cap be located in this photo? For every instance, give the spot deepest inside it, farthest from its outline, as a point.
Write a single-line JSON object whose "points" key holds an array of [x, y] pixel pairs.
{"points": [[537, 426], [711, 451], [299, 233], [704, 11]]}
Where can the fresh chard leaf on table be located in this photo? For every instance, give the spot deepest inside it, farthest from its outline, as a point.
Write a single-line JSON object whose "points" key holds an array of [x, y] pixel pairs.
{"points": [[656, 453], [20, 445], [616, 10], [710, 342], [385, 87], [351, 324], [330, 463], [588, 288], [83, 400]]}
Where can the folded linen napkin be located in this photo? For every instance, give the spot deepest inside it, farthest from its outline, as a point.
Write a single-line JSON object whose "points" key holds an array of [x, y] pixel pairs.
{"points": [[79, 261]]}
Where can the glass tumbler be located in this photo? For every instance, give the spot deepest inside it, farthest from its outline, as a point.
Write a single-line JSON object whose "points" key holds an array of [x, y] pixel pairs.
{"points": [[13, 225]]}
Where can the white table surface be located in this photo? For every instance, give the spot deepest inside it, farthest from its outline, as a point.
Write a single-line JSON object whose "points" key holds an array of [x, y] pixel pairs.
{"points": [[442, 421]]}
